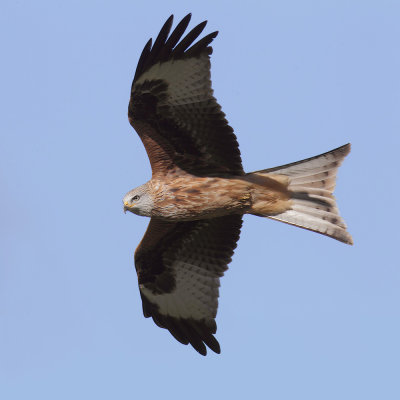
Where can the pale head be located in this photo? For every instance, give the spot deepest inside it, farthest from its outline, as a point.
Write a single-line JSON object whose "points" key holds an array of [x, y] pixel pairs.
{"points": [[139, 201]]}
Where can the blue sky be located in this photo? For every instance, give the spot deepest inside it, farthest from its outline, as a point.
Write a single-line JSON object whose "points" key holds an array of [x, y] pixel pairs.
{"points": [[301, 316]]}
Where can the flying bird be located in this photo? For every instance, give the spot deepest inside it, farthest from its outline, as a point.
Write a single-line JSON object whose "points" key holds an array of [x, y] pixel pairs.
{"points": [[199, 192]]}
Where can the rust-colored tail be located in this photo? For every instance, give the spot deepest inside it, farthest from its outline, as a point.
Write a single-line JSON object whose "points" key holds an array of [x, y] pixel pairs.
{"points": [[309, 186]]}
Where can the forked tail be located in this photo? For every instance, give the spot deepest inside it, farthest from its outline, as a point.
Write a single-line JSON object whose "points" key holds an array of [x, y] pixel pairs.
{"points": [[310, 184]]}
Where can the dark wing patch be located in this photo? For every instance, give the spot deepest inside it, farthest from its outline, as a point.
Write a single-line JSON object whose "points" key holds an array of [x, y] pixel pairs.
{"points": [[173, 109], [179, 266]]}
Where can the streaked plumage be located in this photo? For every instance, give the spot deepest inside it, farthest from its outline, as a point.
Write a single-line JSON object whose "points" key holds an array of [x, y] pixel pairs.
{"points": [[199, 191]]}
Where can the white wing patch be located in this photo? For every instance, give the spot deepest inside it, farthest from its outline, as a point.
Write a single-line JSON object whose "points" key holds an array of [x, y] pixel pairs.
{"points": [[195, 294], [188, 80]]}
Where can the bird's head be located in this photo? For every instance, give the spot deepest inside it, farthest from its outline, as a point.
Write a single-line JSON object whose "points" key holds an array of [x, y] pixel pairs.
{"points": [[139, 201]]}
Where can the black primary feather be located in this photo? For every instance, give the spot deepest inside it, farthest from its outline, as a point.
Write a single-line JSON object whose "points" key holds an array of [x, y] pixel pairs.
{"points": [[164, 48]]}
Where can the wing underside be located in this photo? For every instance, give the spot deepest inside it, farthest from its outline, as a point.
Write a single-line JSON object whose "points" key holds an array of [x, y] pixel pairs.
{"points": [[179, 266], [173, 109]]}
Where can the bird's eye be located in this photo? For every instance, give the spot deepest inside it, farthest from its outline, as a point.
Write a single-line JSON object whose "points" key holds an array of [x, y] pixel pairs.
{"points": [[135, 198]]}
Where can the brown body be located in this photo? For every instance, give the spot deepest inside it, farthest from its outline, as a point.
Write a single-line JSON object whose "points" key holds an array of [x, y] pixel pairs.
{"points": [[187, 197]]}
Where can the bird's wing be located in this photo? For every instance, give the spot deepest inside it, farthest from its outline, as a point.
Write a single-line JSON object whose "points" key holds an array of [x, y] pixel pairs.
{"points": [[173, 109], [178, 266]]}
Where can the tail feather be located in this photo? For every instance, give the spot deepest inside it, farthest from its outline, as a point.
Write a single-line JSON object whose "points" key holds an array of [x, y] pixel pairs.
{"points": [[311, 183], [329, 216], [321, 180]]}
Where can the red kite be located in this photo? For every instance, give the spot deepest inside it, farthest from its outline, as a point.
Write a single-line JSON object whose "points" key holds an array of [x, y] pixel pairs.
{"points": [[199, 191]]}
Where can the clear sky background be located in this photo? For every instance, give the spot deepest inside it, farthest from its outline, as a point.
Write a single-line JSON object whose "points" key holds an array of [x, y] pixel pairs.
{"points": [[301, 316]]}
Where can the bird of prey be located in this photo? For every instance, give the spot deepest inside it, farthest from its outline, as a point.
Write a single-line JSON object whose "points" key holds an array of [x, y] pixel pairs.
{"points": [[199, 191]]}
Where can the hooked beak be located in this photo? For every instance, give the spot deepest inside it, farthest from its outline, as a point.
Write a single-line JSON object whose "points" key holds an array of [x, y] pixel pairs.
{"points": [[126, 207]]}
